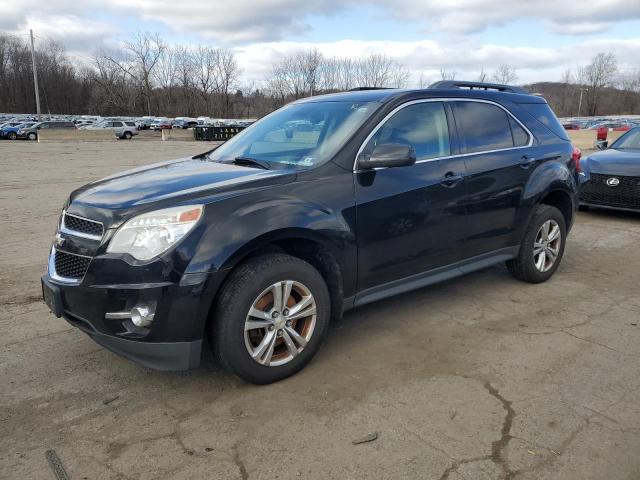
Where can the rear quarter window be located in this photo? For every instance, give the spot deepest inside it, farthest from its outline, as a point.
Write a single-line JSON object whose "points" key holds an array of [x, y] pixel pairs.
{"points": [[543, 113]]}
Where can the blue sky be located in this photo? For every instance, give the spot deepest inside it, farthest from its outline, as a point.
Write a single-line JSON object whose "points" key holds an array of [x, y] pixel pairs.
{"points": [[540, 38]]}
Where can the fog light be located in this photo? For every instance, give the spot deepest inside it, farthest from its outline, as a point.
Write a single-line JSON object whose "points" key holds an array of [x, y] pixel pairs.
{"points": [[142, 315]]}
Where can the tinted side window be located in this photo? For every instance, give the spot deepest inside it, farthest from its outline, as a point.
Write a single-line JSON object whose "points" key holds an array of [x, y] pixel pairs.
{"points": [[520, 136], [543, 113], [422, 125], [483, 127], [130, 124]]}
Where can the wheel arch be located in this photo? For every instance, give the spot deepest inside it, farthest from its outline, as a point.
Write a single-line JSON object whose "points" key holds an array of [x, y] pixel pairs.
{"points": [[562, 200], [301, 243]]}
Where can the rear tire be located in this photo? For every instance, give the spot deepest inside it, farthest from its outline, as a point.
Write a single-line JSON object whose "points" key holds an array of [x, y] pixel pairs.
{"points": [[273, 342], [541, 250], [32, 136], [127, 135]]}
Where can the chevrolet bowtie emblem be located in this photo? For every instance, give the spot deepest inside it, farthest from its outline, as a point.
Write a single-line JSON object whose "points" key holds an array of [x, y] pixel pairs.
{"points": [[59, 240]]}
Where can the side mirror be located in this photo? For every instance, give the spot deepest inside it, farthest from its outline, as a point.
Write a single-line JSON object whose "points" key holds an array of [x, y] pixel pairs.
{"points": [[388, 155], [602, 144]]}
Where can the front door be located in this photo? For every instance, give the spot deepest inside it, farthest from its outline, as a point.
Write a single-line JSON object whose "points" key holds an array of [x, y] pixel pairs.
{"points": [[410, 219]]}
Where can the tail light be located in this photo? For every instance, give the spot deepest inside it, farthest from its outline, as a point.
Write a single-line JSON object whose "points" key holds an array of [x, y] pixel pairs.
{"points": [[576, 155]]}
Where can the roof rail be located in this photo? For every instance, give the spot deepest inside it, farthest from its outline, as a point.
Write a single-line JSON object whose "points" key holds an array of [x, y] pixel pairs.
{"points": [[358, 89], [477, 86]]}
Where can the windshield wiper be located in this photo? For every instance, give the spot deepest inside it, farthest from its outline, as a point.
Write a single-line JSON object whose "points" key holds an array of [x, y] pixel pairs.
{"points": [[252, 162]]}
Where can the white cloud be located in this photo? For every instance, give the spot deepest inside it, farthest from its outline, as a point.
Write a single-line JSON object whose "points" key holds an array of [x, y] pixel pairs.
{"points": [[234, 21], [257, 30], [465, 58]]}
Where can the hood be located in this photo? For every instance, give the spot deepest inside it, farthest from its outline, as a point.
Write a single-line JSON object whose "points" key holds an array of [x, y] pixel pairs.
{"points": [[165, 184], [612, 161]]}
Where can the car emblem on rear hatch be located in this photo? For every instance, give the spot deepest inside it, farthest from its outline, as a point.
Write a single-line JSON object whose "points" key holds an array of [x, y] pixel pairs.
{"points": [[613, 181]]}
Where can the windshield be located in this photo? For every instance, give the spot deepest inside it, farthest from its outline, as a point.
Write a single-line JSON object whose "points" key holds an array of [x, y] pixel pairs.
{"points": [[629, 141], [299, 134]]}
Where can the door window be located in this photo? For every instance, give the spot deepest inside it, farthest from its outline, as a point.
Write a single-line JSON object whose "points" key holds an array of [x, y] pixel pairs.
{"points": [[520, 136], [422, 125], [484, 127]]}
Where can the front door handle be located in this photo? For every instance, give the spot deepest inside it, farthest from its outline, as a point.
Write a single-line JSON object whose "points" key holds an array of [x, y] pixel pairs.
{"points": [[450, 179]]}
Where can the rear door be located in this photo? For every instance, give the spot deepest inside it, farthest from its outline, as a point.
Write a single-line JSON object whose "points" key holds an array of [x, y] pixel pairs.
{"points": [[496, 150], [410, 219]]}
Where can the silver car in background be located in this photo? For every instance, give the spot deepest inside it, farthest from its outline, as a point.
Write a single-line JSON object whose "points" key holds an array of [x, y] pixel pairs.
{"points": [[121, 128]]}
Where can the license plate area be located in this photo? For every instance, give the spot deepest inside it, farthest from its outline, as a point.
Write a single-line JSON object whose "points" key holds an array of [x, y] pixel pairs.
{"points": [[52, 297]]}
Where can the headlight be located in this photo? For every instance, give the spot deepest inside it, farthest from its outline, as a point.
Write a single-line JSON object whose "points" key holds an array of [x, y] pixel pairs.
{"points": [[147, 236]]}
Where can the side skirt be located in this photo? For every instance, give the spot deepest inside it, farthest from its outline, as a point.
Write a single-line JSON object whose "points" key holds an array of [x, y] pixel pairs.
{"points": [[430, 277]]}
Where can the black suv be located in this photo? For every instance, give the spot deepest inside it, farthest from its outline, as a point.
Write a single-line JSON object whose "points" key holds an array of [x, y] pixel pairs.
{"points": [[329, 203]]}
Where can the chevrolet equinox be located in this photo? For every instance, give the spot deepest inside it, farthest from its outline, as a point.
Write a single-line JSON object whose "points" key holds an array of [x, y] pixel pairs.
{"points": [[326, 204]]}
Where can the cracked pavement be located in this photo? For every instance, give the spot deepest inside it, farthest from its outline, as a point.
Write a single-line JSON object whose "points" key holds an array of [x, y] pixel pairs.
{"points": [[482, 377]]}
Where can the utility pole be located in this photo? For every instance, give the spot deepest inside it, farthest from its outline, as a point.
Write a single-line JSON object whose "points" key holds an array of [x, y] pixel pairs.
{"points": [[35, 74], [582, 90]]}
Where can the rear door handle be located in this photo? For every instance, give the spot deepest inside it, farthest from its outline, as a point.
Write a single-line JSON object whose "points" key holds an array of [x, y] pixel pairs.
{"points": [[526, 161], [450, 179]]}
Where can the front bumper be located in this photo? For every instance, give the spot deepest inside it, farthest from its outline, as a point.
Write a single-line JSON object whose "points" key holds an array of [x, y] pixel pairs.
{"points": [[174, 339], [624, 195]]}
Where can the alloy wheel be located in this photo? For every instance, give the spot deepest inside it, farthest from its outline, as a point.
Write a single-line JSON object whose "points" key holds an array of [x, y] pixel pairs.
{"points": [[280, 323], [547, 245]]}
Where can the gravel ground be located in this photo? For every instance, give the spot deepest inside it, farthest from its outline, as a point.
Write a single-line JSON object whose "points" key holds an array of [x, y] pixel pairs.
{"points": [[482, 377]]}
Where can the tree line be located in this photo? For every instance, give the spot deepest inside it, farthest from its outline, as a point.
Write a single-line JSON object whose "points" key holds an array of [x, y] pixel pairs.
{"points": [[147, 76]]}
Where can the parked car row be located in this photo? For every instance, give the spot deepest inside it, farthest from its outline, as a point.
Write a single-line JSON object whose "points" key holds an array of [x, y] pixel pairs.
{"points": [[621, 125]]}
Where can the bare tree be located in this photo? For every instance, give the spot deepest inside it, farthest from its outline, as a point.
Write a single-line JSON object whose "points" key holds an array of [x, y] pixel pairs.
{"points": [[566, 100], [483, 76], [166, 75], [597, 76], [228, 74], [310, 65], [423, 81], [145, 50], [447, 74], [207, 73], [379, 70], [505, 74]]}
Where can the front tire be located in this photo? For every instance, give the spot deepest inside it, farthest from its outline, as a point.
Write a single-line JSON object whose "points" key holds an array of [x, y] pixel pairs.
{"points": [[542, 247], [270, 318], [127, 135], [12, 136]]}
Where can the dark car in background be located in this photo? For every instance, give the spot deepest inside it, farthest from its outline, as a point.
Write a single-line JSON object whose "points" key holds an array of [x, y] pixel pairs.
{"points": [[329, 203], [31, 133], [10, 132], [611, 178]]}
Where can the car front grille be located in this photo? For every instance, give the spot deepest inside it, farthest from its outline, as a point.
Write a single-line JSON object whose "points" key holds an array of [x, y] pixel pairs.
{"points": [[68, 265], [624, 195], [83, 226]]}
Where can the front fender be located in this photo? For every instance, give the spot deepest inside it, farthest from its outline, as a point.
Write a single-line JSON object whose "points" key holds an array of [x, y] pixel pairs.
{"points": [[320, 208]]}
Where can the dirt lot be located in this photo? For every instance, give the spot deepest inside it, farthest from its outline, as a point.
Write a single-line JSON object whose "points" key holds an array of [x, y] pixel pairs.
{"points": [[483, 377]]}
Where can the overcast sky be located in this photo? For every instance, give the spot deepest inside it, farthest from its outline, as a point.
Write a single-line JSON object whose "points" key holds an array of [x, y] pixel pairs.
{"points": [[541, 38]]}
